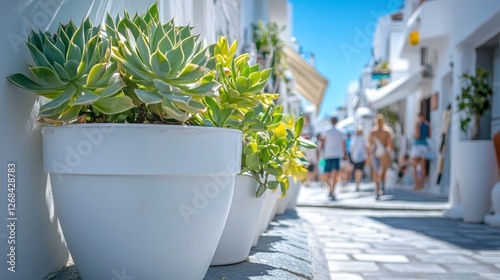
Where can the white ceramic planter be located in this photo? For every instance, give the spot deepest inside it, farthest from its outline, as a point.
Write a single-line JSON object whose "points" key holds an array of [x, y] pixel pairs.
{"points": [[477, 173], [236, 241], [494, 220], [289, 201], [294, 191], [142, 201], [267, 214], [281, 204]]}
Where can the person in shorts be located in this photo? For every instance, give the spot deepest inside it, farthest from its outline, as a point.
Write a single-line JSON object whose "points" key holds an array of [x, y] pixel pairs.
{"points": [[419, 151], [332, 142], [358, 155]]}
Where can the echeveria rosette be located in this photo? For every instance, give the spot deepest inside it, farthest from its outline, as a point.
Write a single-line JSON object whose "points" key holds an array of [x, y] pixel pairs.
{"points": [[168, 64], [72, 68]]}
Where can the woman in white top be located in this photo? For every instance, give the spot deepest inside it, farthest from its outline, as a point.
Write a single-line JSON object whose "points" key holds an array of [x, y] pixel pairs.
{"points": [[359, 153]]}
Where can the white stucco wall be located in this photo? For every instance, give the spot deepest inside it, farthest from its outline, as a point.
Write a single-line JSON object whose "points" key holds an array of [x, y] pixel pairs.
{"points": [[40, 248]]}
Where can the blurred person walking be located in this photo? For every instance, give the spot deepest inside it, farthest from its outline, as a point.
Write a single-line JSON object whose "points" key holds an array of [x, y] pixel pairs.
{"points": [[358, 155], [347, 164], [380, 140], [334, 150], [420, 150]]}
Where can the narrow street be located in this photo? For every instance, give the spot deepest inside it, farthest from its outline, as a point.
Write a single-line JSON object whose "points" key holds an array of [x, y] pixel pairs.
{"points": [[371, 242]]}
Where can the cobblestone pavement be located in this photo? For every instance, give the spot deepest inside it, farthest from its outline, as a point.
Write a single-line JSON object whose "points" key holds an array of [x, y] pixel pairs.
{"points": [[374, 244], [397, 197]]}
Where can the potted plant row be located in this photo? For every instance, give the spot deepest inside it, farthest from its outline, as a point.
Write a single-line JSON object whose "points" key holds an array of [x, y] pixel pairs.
{"points": [[143, 142], [268, 156], [136, 184]]}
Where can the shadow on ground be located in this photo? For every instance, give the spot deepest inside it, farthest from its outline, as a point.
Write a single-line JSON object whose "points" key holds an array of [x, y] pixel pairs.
{"points": [[456, 232]]}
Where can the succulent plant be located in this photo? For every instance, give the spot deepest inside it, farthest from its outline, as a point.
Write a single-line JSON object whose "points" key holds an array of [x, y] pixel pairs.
{"points": [[272, 155], [241, 90], [170, 69], [72, 68]]}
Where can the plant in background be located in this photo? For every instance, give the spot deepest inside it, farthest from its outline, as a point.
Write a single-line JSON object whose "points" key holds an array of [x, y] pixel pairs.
{"points": [[72, 68], [382, 67], [390, 116], [269, 44], [474, 99]]}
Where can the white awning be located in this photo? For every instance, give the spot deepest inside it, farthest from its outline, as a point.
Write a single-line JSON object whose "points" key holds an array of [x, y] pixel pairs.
{"points": [[394, 91], [309, 83]]}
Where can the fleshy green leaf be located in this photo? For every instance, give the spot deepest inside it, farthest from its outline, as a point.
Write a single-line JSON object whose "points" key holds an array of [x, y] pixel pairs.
{"points": [[113, 105], [160, 65], [26, 83], [175, 57], [46, 76], [58, 104], [96, 73], [85, 97]]}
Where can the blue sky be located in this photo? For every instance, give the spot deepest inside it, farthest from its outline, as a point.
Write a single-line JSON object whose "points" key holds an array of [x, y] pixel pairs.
{"points": [[339, 33]]}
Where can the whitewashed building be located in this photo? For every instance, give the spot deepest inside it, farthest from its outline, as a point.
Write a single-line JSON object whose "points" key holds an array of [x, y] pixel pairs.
{"points": [[455, 36]]}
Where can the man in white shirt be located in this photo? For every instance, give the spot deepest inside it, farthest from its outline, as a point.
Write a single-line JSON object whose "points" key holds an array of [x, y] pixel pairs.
{"points": [[334, 149]]}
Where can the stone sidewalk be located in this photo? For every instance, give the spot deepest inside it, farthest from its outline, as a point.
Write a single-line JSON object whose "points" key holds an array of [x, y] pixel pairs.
{"points": [[397, 197], [289, 249], [376, 245]]}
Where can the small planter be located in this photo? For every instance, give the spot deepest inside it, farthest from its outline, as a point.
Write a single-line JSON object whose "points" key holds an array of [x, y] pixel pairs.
{"points": [[236, 241], [147, 201], [267, 214], [293, 192], [289, 201], [477, 173]]}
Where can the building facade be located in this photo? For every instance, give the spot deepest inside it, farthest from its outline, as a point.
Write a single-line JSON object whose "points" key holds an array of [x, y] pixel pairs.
{"points": [[453, 37]]}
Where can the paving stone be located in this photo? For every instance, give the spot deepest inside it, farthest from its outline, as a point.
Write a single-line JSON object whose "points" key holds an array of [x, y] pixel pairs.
{"points": [[341, 250], [352, 266], [381, 258], [468, 268], [346, 245], [495, 276], [488, 259], [450, 251], [337, 257], [489, 253], [346, 276], [415, 268], [407, 251], [445, 259]]}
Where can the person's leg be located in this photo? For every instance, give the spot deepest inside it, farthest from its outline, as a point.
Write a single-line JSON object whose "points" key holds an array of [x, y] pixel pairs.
{"points": [[335, 175], [358, 173], [423, 173], [327, 176], [376, 177], [383, 171], [414, 162]]}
